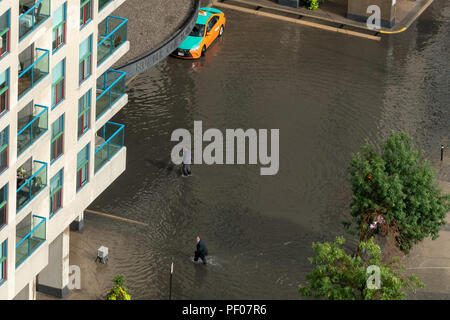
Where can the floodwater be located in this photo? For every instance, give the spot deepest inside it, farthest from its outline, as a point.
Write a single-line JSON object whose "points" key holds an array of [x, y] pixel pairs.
{"points": [[326, 92]]}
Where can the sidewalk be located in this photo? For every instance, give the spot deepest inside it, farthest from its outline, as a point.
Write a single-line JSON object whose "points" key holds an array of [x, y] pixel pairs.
{"points": [[96, 277], [150, 22], [335, 12], [430, 260]]}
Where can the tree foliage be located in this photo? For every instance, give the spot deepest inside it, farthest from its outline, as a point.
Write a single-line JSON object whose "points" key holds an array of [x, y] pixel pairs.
{"points": [[118, 291], [313, 4], [398, 185], [339, 276]]}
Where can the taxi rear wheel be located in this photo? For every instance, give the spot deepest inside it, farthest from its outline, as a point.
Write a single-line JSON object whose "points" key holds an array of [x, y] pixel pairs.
{"points": [[203, 51], [221, 31]]}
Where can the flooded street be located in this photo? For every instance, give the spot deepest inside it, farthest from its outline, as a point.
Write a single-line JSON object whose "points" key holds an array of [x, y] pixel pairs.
{"points": [[326, 93]]}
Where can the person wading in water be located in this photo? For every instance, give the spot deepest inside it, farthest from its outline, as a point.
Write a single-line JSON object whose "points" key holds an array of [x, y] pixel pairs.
{"points": [[186, 165], [201, 251]]}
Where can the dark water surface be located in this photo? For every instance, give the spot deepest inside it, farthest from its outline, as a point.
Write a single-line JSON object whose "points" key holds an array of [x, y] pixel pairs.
{"points": [[326, 93]]}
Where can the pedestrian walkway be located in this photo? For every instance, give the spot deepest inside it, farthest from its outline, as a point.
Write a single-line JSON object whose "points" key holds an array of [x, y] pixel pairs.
{"points": [[430, 260], [150, 23], [334, 12]]}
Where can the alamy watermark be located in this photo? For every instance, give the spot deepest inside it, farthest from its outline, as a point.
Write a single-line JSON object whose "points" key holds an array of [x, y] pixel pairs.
{"points": [[74, 277], [374, 20], [374, 280], [221, 147]]}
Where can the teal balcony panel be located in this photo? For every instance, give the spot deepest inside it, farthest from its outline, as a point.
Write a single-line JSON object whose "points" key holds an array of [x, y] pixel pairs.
{"points": [[112, 34], [27, 245], [34, 73], [33, 130], [109, 140], [110, 88], [32, 17], [28, 186]]}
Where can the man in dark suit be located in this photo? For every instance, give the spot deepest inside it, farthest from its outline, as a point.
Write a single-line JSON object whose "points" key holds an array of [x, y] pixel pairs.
{"points": [[201, 251]]}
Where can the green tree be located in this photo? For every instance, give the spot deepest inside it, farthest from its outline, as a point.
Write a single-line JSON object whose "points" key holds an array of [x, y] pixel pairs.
{"points": [[395, 192], [313, 4], [339, 276], [118, 291]]}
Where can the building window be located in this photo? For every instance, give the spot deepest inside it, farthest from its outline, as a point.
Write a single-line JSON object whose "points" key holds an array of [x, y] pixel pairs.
{"points": [[59, 27], [84, 111], [83, 167], [4, 149], [4, 33], [4, 92], [56, 190], [3, 206], [3, 264], [85, 58], [85, 12], [58, 80], [57, 145]]}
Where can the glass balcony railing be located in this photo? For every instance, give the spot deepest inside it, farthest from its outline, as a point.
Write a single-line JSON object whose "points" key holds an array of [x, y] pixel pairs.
{"points": [[35, 72], [28, 187], [109, 140], [26, 246], [103, 3], [35, 128], [31, 17], [110, 88], [112, 33]]}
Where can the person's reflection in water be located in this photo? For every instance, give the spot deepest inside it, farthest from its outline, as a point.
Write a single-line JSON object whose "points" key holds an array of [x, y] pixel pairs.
{"points": [[200, 275]]}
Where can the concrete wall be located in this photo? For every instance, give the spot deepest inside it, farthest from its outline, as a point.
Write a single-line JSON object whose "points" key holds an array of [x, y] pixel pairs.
{"points": [[357, 10], [28, 292], [54, 278]]}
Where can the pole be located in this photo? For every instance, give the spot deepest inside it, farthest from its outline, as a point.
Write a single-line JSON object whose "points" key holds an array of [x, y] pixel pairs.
{"points": [[442, 152], [170, 286]]}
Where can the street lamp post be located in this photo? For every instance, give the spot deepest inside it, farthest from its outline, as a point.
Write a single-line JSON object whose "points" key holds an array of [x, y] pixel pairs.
{"points": [[170, 286]]}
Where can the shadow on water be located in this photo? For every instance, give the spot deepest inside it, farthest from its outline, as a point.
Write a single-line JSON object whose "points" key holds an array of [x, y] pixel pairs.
{"points": [[165, 165]]}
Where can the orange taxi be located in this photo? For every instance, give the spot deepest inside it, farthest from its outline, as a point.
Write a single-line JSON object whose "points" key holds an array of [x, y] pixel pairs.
{"points": [[209, 26]]}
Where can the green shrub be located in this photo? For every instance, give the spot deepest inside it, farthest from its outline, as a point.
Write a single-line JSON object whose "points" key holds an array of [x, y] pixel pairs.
{"points": [[313, 4], [118, 291]]}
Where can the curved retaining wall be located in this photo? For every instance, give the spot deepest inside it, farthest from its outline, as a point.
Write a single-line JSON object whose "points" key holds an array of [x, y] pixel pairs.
{"points": [[163, 49]]}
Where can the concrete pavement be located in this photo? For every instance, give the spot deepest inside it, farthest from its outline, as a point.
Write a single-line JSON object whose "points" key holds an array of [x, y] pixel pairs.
{"points": [[334, 12], [150, 22], [430, 260]]}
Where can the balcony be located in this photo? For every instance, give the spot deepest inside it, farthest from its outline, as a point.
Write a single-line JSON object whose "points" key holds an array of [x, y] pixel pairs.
{"points": [[103, 3], [36, 125], [110, 88], [31, 16], [112, 34], [108, 141], [4, 33], [35, 72], [28, 244], [30, 183]]}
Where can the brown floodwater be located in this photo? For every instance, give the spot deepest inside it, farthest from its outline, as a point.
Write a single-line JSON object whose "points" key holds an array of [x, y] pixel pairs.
{"points": [[326, 92]]}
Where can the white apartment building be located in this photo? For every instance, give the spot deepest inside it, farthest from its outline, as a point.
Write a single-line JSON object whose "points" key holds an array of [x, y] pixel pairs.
{"points": [[58, 149]]}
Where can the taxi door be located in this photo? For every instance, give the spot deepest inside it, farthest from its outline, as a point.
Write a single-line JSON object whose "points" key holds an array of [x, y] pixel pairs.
{"points": [[212, 30]]}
